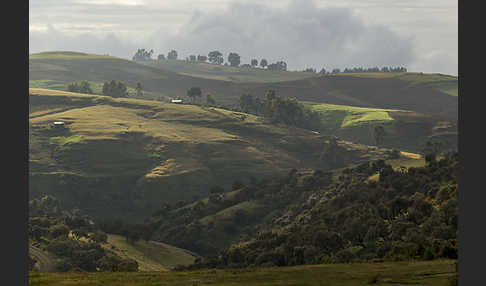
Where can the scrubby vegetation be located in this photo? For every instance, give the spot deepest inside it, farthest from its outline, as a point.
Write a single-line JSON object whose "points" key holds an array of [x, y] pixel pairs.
{"points": [[72, 237], [323, 217]]}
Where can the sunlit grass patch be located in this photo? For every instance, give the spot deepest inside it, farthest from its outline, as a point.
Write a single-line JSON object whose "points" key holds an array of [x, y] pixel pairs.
{"points": [[61, 141]]}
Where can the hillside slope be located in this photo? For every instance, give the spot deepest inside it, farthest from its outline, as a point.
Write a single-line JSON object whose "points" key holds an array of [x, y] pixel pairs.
{"points": [[127, 156], [424, 93]]}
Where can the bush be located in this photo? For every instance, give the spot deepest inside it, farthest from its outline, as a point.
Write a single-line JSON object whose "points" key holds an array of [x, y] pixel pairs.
{"points": [[128, 265], [64, 265]]}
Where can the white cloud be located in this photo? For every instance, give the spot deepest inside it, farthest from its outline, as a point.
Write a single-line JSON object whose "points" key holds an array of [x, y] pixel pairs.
{"points": [[304, 33]]}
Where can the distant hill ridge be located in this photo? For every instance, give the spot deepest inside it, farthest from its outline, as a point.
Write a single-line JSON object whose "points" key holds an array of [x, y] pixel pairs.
{"points": [[425, 93]]}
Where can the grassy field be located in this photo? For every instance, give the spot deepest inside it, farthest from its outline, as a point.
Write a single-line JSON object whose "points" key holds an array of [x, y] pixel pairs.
{"points": [[151, 255], [227, 73], [405, 130], [342, 116], [430, 273]]}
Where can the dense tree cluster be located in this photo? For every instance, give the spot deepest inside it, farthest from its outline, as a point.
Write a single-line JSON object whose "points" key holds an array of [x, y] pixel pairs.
{"points": [[278, 66], [143, 55], [172, 55], [323, 217], [82, 87], [234, 59], [359, 70], [115, 89], [72, 237], [276, 109]]}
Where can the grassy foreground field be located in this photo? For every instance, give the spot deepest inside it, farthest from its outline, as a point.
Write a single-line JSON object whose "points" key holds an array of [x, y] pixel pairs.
{"points": [[431, 273]]}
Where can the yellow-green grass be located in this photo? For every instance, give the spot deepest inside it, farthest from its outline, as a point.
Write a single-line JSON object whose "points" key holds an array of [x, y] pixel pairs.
{"points": [[61, 140], [227, 73], [151, 255], [427, 273], [347, 116]]}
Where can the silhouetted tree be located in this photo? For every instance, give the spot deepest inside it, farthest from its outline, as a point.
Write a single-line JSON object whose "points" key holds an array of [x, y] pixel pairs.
{"points": [[194, 92], [215, 57], [172, 55], [234, 59], [139, 89], [143, 55], [263, 63], [378, 133]]}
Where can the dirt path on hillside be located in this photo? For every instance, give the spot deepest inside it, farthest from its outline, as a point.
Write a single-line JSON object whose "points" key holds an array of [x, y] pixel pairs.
{"points": [[45, 262]]}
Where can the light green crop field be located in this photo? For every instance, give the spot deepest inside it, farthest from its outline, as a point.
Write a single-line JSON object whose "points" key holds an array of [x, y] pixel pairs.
{"points": [[427, 273], [343, 116], [227, 73]]}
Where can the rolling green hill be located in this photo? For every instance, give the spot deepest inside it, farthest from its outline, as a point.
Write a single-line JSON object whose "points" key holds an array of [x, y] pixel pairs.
{"points": [[405, 130], [423, 93], [124, 156]]}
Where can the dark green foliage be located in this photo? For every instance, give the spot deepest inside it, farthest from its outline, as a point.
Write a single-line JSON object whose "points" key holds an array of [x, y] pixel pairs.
{"points": [[139, 89], [333, 155], [143, 55], [115, 89], [345, 220], [193, 93], [278, 66], [59, 230], [374, 69], [172, 55], [215, 57], [263, 63], [276, 109], [254, 62], [161, 57], [53, 228], [82, 87], [378, 134], [234, 59], [202, 58], [210, 101]]}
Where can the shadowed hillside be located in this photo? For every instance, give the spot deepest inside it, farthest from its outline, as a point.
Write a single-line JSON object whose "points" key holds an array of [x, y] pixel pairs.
{"points": [[127, 156]]}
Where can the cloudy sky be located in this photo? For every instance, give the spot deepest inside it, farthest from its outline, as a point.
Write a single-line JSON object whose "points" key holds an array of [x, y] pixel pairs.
{"points": [[421, 35]]}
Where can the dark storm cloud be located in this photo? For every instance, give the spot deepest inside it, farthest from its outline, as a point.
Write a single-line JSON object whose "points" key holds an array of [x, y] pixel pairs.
{"points": [[301, 34]]}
